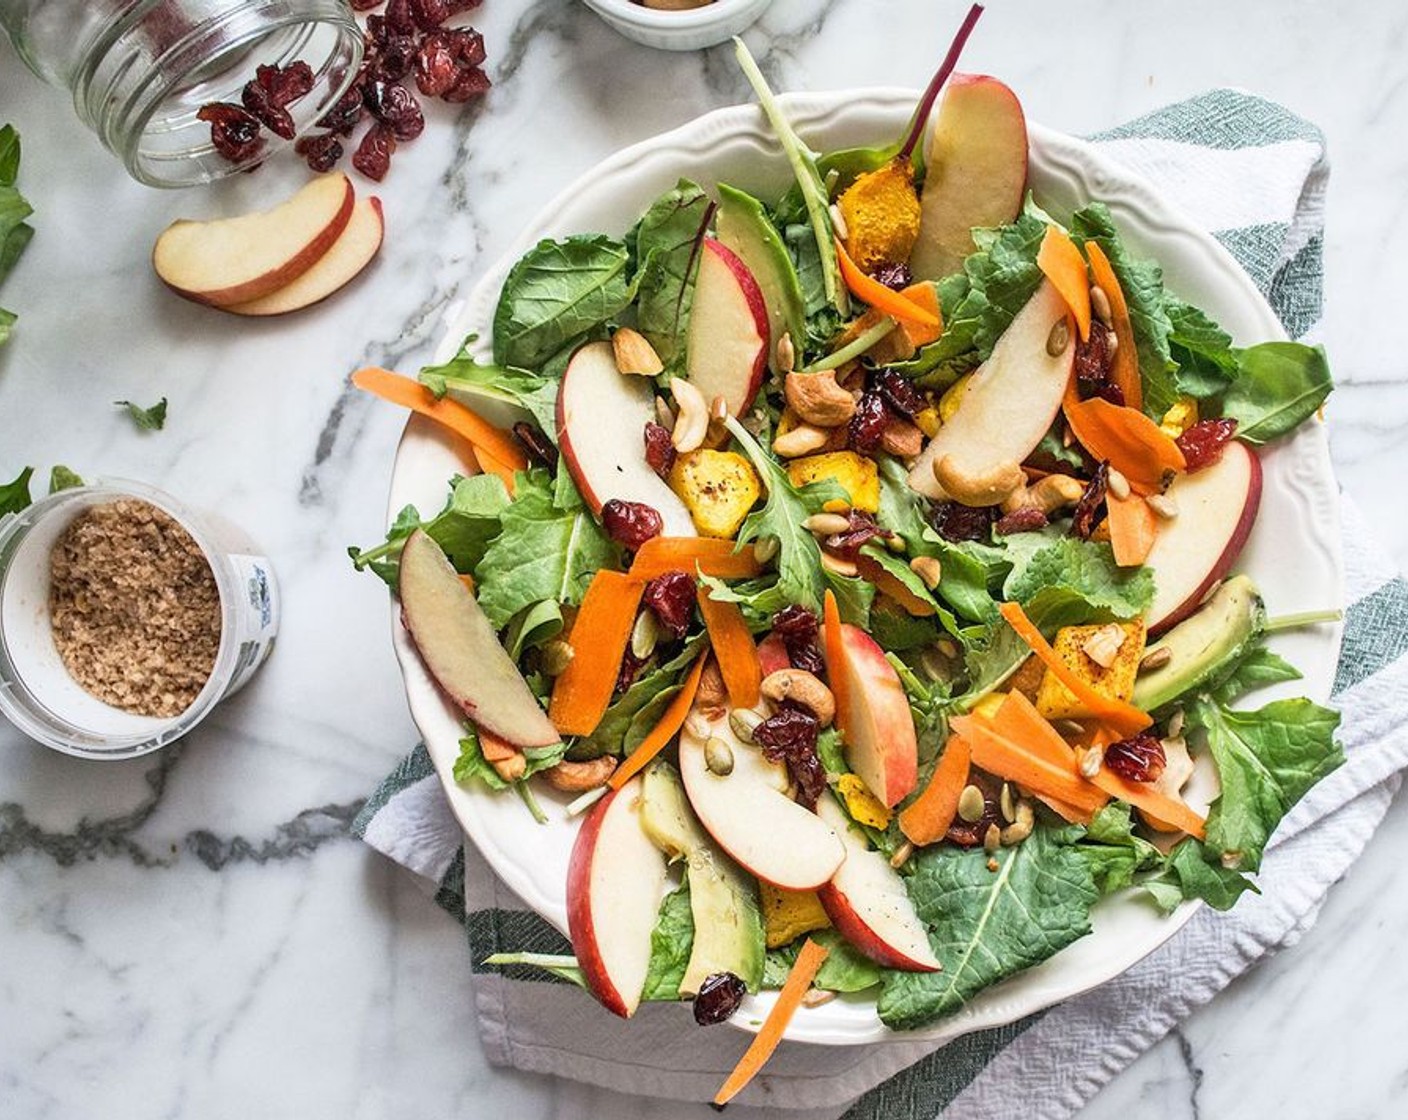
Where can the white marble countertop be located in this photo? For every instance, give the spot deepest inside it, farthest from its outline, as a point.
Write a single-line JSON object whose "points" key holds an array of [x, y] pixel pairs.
{"points": [[193, 934]]}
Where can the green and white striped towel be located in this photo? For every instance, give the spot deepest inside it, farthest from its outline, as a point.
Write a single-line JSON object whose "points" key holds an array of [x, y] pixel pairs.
{"points": [[1255, 174]]}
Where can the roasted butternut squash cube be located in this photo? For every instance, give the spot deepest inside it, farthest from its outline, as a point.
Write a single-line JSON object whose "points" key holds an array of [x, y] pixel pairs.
{"points": [[881, 211], [1075, 645], [718, 488], [863, 805], [854, 473], [789, 914]]}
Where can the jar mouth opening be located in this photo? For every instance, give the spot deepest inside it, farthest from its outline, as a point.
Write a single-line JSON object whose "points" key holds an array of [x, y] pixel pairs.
{"points": [[141, 89], [37, 692]]}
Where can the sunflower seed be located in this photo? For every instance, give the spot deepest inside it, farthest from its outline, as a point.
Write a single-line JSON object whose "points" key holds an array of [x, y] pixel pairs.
{"points": [[902, 854], [1100, 304], [826, 524], [1117, 484], [1005, 803], [992, 839]]}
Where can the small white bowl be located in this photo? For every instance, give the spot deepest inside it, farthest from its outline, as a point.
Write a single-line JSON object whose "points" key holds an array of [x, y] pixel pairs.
{"points": [[687, 30]]}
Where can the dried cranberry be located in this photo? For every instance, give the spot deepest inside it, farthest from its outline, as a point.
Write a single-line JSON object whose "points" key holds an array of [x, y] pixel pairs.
{"points": [[898, 392], [659, 449], [718, 998], [1087, 511], [860, 532], [399, 17], [395, 57], [867, 424], [320, 152], [538, 446], [630, 524], [275, 118], [1025, 520], [1140, 758], [1202, 444], [789, 736], [395, 106], [343, 117], [970, 834], [956, 522], [470, 84], [436, 69], [467, 46], [800, 633], [285, 84], [373, 155], [671, 597], [430, 14], [233, 130], [1093, 362], [631, 665], [894, 276]]}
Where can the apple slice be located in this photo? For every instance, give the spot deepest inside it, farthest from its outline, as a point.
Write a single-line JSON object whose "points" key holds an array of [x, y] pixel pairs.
{"points": [[773, 655], [728, 330], [601, 418], [1009, 402], [872, 712], [615, 880], [976, 172], [749, 814], [350, 253], [462, 652], [235, 260], [1216, 509], [867, 901]]}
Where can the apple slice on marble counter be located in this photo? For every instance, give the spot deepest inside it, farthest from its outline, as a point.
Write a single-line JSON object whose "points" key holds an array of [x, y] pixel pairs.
{"points": [[354, 249], [461, 651], [615, 880], [601, 418], [235, 260]]}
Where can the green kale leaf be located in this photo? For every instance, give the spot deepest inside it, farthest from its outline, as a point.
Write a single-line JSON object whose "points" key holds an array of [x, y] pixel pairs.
{"points": [[1278, 386], [148, 419], [556, 293], [61, 478], [542, 552], [987, 925], [15, 232]]}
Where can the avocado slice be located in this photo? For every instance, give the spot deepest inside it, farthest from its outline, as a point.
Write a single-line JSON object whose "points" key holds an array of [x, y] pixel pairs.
{"points": [[723, 900], [743, 226], [1204, 645]]}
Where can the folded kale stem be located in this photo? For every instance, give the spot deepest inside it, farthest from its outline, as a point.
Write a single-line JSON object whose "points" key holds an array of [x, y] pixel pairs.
{"points": [[1303, 618]]}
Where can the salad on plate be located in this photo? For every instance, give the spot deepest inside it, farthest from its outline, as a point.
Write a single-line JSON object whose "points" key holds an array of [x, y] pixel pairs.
{"points": [[859, 566]]}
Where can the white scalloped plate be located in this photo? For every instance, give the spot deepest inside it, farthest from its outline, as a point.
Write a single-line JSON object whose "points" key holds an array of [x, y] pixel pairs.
{"points": [[1293, 553]]}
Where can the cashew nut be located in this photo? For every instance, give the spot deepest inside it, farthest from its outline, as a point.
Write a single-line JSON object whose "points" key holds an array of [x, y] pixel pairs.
{"points": [[692, 416], [634, 354], [801, 440], [901, 439], [987, 488], [1048, 494], [578, 777], [817, 399], [801, 687]]}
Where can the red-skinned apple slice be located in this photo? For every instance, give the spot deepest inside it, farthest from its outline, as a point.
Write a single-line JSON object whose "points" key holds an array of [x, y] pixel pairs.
{"points": [[461, 651], [1216, 509], [235, 260], [615, 880], [773, 655], [874, 718], [866, 901], [749, 814], [728, 330], [350, 253], [1009, 402], [976, 172], [601, 418]]}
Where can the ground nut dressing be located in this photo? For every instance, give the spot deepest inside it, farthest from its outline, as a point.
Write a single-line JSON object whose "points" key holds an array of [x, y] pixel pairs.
{"points": [[134, 608]]}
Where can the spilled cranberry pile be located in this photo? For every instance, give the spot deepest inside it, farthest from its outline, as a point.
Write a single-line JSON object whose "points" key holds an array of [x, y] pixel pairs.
{"points": [[407, 42]]}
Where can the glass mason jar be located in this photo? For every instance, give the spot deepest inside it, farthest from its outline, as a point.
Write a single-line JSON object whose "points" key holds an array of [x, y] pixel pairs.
{"points": [[139, 70]]}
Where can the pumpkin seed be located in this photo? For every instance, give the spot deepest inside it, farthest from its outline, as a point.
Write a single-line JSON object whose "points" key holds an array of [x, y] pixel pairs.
{"points": [[718, 756], [1100, 304], [971, 804], [1156, 659], [744, 721], [1059, 338]]}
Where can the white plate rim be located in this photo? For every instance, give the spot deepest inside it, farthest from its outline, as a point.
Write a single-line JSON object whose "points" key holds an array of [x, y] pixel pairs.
{"points": [[1064, 163]]}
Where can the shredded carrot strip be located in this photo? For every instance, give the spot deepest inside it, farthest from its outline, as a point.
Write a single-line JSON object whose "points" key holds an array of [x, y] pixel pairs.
{"points": [[893, 587], [925, 296], [1125, 718], [881, 298], [493, 446], [1018, 719], [927, 818], [835, 653], [1061, 262], [716, 558], [1132, 529], [583, 691], [799, 980], [1015, 762], [1126, 369], [1163, 808], [734, 649], [1125, 438], [493, 748], [662, 732]]}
